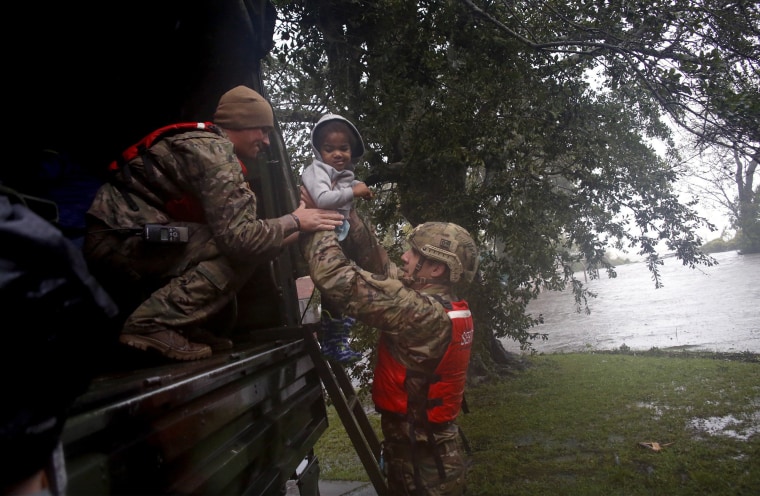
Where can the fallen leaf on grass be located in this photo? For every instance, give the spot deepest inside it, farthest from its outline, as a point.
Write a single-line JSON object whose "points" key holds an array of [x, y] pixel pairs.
{"points": [[654, 446]]}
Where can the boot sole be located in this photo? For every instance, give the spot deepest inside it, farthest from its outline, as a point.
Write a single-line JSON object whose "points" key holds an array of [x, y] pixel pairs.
{"points": [[144, 343], [218, 344]]}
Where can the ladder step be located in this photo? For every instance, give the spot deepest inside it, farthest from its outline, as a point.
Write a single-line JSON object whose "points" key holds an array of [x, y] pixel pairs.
{"points": [[351, 412]]}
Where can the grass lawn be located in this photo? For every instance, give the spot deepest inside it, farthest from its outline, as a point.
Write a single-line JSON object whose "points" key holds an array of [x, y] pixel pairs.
{"points": [[574, 424]]}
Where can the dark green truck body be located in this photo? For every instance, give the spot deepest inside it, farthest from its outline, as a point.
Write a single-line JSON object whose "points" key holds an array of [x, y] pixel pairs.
{"points": [[90, 80], [236, 423]]}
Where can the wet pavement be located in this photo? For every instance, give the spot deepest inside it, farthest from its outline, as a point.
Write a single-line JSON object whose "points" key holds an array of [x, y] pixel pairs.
{"points": [[346, 488], [708, 309], [337, 488]]}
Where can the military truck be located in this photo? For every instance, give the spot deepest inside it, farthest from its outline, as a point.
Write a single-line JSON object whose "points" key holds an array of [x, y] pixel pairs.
{"points": [[87, 80]]}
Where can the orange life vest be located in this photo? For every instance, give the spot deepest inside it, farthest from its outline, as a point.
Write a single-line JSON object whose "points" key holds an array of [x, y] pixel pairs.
{"points": [[446, 385]]}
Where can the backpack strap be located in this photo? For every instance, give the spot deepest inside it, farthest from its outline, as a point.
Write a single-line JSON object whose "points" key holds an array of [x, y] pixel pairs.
{"points": [[140, 149]]}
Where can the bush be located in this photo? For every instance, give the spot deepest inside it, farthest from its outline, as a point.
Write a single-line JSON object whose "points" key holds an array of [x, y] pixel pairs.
{"points": [[720, 245]]}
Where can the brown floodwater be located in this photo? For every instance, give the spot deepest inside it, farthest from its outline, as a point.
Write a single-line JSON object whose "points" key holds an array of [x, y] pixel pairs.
{"points": [[708, 309]]}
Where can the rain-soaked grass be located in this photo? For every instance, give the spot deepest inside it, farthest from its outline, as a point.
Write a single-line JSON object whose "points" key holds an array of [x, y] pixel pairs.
{"points": [[572, 424]]}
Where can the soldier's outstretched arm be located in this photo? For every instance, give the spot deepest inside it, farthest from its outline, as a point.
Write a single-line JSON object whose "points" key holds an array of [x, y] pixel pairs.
{"points": [[315, 219], [417, 321]]}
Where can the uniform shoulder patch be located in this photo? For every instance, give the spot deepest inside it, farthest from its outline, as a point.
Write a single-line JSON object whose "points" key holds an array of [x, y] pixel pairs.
{"points": [[379, 277]]}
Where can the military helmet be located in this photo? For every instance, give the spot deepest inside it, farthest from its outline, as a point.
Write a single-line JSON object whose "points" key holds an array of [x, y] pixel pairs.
{"points": [[450, 244]]}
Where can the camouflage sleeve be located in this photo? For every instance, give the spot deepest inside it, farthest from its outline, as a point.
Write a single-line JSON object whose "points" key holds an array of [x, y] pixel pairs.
{"points": [[214, 175], [416, 326]]}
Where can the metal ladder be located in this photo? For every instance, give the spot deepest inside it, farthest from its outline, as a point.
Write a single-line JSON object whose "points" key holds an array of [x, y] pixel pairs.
{"points": [[349, 409]]}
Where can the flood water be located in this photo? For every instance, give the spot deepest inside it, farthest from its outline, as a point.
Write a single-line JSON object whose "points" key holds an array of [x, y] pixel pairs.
{"points": [[708, 309]]}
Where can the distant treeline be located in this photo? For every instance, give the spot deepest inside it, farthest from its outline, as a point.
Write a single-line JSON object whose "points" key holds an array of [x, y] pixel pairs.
{"points": [[719, 245]]}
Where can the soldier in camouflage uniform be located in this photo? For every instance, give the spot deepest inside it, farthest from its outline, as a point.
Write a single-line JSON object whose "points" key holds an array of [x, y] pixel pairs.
{"points": [[424, 348], [191, 179]]}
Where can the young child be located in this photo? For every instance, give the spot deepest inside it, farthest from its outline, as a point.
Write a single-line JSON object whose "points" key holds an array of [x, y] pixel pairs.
{"points": [[330, 181]]}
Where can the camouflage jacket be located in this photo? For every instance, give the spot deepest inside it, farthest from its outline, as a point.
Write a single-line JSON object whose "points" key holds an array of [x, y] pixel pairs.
{"points": [[203, 165], [414, 323]]}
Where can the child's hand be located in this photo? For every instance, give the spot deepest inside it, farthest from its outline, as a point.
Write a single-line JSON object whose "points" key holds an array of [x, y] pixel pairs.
{"points": [[361, 190]]}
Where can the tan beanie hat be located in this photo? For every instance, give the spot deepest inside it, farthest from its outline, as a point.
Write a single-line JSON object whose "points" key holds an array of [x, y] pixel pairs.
{"points": [[243, 108]]}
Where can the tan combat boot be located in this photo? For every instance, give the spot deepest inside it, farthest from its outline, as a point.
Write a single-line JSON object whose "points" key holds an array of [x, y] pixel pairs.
{"points": [[171, 344]]}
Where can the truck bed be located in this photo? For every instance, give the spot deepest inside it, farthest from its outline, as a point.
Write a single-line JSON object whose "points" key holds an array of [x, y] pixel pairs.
{"points": [[239, 422]]}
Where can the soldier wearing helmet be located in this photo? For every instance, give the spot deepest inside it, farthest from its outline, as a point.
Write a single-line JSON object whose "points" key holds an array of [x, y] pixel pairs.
{"points": [[447, 243], [424, 348]]}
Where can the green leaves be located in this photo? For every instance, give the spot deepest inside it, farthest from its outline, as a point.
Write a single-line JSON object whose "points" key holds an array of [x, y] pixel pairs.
{"points": [[529, 124]]}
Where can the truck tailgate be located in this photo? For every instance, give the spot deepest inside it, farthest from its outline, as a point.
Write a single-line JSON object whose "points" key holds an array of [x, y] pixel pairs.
{"points": [[236, 423]]}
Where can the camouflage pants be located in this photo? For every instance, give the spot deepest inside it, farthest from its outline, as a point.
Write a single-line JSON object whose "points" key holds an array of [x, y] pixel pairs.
{"points": [[400, 459], [363, 248], [164, 286]]}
